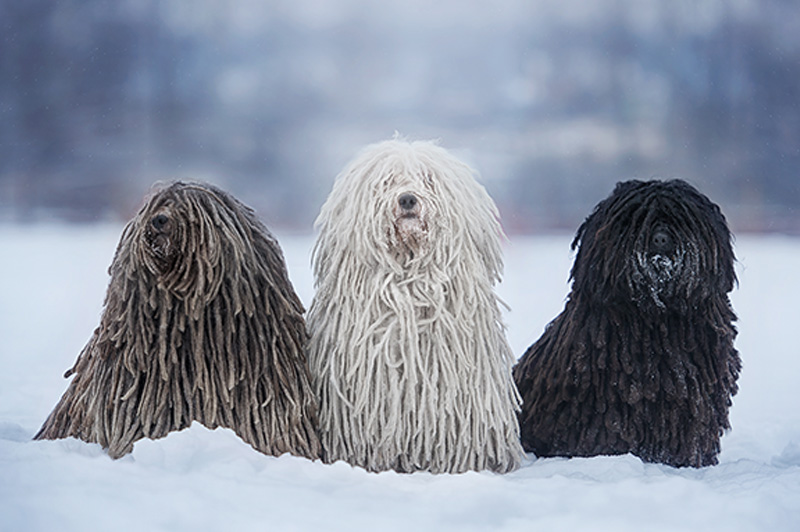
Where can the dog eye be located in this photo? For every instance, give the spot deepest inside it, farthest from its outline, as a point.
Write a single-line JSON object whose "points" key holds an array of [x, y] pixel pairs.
{"points": [[387, 181]]}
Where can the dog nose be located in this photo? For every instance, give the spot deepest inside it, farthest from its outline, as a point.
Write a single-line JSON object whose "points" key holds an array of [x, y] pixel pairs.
{"points": [[159, 221], [407, 201], [662, 241]]}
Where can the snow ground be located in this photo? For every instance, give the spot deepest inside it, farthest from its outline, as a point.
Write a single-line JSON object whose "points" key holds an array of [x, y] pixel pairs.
{"points": [[52, 283]]}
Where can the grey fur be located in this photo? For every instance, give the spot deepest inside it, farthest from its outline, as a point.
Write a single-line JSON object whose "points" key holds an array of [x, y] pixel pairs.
{"points": [[200, 323]]}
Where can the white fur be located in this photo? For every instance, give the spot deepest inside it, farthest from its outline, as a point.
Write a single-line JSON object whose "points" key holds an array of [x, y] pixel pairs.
{"points": [[407, 350]]}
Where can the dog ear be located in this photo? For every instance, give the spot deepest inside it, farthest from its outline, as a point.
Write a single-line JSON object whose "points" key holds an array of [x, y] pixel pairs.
{"points": [[621, 190], [724, 253], [717, 237]]}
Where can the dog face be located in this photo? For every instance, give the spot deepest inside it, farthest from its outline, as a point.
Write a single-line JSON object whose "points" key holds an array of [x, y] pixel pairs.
{"points": [[186, 236], [160, 236], [658, 264], [660, 245], [410, 204], [163, 227]]}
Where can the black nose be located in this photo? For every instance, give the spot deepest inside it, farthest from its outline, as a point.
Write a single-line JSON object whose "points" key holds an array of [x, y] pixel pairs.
{"points": [[661, 241], [407, 201], [159, 221]]}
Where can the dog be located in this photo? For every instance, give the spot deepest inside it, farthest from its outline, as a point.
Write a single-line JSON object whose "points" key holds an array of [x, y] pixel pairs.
{"points": [[200, 323], [408, 351], [641, 360]]}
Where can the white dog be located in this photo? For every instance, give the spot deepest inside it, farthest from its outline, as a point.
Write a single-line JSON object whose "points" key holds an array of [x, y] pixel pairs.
{"points": [[408, 351]]}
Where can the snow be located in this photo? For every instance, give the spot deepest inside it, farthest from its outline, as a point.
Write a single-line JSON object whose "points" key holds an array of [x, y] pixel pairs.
{"points": [[53, 279]]}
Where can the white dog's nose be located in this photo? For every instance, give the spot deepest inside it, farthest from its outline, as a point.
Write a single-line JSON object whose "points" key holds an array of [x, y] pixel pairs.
{"points": [[407, 201]]}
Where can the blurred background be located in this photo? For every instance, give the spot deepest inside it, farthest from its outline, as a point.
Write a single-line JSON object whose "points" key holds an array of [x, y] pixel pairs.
{"points": [[552, 101]]}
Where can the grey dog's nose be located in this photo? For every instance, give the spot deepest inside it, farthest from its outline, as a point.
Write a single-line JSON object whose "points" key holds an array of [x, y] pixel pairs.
{"points": [[407, 201], [159, 221]]}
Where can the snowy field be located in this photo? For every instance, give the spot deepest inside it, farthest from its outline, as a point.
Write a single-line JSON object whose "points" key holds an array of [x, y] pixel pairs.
{"points": [[52, 283]]}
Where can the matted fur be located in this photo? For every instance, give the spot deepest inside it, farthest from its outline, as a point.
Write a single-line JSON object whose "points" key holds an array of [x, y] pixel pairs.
{"points": [[201, 323], [641, 360], [407, 349]]}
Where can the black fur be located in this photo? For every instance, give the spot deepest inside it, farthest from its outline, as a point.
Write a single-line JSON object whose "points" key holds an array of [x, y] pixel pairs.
{"points": [[641, 360]]}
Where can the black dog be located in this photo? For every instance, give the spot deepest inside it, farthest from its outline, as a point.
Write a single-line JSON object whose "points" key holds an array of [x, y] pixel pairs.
{"points": [[641, 360]]}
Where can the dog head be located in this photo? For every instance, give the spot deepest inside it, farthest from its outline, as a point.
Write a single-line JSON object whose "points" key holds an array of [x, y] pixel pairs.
{"points": [[400, 204], [187, 237], [659, 244]]}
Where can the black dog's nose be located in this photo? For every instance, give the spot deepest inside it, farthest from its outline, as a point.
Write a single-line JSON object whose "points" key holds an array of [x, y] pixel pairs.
{"points": [[662, 241], [407, 201]]}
